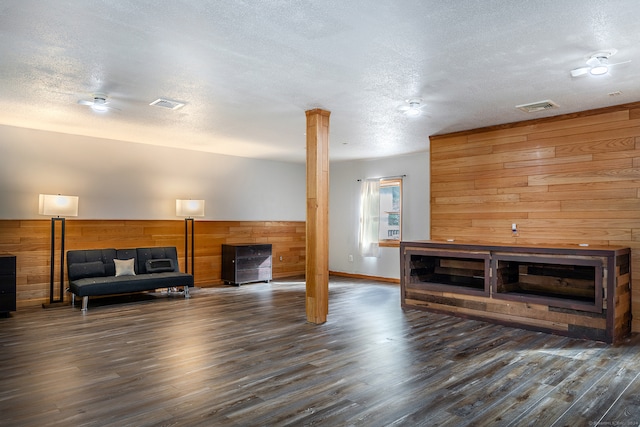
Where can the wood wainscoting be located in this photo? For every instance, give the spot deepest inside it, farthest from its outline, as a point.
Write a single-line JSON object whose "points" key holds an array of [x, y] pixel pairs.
{"points": [[29, 240], [572, 179]]}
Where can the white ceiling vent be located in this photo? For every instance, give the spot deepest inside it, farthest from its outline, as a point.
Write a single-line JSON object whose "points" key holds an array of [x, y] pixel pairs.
{"points": [[167, 103], [537, 106]]}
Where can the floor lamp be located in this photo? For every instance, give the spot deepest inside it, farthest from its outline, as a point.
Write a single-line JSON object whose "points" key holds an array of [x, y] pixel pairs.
{"points": [[60, 206], [189, 209]]}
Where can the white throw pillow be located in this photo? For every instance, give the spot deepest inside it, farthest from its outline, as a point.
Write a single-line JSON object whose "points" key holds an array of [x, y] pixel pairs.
{"points": [[124, 267]]}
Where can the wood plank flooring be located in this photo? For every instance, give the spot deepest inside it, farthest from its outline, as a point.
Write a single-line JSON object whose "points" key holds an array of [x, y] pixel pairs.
{"points": [[245, 356]]}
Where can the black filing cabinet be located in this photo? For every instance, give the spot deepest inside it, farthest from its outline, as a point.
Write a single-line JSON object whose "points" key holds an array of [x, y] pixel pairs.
{"points": [[245, 263], [7, 283]]}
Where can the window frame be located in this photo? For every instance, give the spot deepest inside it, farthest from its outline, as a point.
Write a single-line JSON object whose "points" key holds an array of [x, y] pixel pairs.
{"points": [[392, 182]]}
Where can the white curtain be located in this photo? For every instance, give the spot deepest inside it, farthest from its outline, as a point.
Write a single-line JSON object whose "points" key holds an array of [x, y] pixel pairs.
{"points": [[369, 217]]}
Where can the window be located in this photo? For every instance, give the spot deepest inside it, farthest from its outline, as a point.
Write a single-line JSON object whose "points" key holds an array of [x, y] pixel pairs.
{"points": [[380, 215], [390, 231]]}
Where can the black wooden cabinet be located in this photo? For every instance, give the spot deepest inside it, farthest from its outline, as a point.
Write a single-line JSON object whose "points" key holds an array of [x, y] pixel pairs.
{"points": [[7, 283], [245, 263]]}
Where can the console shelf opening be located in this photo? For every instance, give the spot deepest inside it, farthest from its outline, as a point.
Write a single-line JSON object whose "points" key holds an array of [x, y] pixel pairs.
{"points": [[460, 272], [569, 283]]}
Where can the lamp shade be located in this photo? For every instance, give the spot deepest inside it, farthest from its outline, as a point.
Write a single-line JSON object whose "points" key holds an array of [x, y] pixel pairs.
{"points": [[189, 208], [56, 204]]}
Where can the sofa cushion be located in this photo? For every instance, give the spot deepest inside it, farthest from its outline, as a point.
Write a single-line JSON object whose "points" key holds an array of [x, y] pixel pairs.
{"points": [[81, 270], [105, 256], [163, 252], [128, 254], [92, 286], [125, 267], [159, 265]]}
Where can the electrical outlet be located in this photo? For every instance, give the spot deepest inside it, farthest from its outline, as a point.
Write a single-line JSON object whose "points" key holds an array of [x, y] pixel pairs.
{"points": [[280, 257], [350, 258]]}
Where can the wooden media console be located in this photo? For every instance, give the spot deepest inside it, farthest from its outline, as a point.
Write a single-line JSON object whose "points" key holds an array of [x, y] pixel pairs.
{"points": [[582, 292]]}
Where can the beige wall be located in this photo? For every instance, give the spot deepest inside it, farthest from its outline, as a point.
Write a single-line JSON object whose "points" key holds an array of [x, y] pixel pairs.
{"points": [[127, 180], [565, 180]]}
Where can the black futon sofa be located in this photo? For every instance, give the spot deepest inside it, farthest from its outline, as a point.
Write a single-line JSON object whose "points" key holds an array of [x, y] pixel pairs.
{"points": [[94, 272]]}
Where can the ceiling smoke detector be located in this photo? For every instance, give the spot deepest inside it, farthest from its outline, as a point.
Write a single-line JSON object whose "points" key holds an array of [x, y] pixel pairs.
{"points": [[534, 107], [167, 103]]}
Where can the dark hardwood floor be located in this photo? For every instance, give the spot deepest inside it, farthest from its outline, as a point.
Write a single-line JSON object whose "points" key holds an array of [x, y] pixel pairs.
{"points": [[245, 356]]}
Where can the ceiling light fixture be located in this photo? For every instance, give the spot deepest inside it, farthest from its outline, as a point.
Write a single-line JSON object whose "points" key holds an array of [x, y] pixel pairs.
{"points": [[413, 109], [99, 105], [599, 65]]}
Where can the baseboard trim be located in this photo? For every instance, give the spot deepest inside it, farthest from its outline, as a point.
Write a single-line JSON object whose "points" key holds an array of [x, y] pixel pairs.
{"points": [[362, 276]]}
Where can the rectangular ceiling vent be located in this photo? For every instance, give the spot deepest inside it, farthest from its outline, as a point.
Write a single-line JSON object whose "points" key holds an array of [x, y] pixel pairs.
{"points": [[167, 103], [537, 106]]}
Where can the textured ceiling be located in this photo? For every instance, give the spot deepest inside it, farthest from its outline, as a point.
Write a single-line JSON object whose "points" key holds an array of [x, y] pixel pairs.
{"points": [[247, 70]]}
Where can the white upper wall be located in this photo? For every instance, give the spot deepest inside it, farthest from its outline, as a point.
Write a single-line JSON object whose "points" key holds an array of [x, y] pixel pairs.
{"points": [[344, 206], [123, 180]]}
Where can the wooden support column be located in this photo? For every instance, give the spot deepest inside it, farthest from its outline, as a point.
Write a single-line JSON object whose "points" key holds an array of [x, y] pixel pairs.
{"points": [[317, 239]]}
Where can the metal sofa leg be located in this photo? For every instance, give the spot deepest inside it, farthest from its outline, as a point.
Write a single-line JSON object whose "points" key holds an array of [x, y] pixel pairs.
{"points": [[186, 292], [73, 299], [85, 303]]}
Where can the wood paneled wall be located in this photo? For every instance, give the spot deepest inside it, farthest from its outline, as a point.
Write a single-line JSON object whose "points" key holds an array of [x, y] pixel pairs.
{"points": [[29, 240], [565, 180]]}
